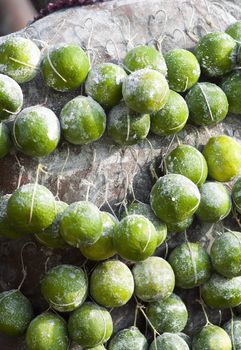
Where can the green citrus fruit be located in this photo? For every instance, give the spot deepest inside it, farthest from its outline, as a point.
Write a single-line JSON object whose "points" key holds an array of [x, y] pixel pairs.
{"points": [[180, 226], [174, 198], [16, 312], [236, 194], [46, 332], [19, 58], [168, 315], [191, 265], [234, 30], [169, 341], [172, 117], [145, 91], [104, 84], [6, 230], [154, 279], [5, 141], [211, 337], [135, 238], [127, 127], [231, 85], [183, 70], [223, 156], [65, 287], [11, 96], [65, 67], [31, 208], [90, 325], [128, 339], [233, 328], [81, 224], [216, 54], [111, 284]]}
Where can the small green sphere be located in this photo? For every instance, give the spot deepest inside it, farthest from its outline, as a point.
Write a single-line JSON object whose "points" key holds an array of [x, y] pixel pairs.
{"points": [[174, 198], [154, 279], [90, 325], [234, 30], [220, 292], [211, 337], [216, 54], [81, 224], [82, 120], [11, 97], [5, 141], [19, 58], [16, 312], [236, 195], [145, 91], [191, 265], [223, 156], [233, 328], [65, 287], [46, 332], [169, 341], [172, 117], [183, 70], [111, 284], [231, 85], [144, 56], [36, 131], [181, 226], [6, 230], [64, 68], [135, 238], [127, 127], [104, 84], [168, 315], [128, 339], [31, 208]]}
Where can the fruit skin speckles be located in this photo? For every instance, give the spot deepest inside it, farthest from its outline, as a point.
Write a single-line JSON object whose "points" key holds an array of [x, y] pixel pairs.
{"points": [[129, 338]]}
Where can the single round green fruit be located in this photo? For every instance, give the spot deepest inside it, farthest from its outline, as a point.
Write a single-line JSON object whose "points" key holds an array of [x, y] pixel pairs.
{"points": [[16, 312], [183, 70], [233, 328], [11, 96], [211, 337], [31, 208], [223, 156], [46, 332], [169, 341], [135, 238], [207, 103], [216, 54], [104, 84], [65, 287], [5, 141], [145, 91], [231, 85], [234, 30], [127, 127], [191, 265], [6, 230], [129, 338], [81, 224], [19, 58], [111, 284], [82, 120], [64, 68], [172, 117], [168, 315], [236, 195], [144, 56], [90, 325], [220, 292], [181, 226], [174, 198]]}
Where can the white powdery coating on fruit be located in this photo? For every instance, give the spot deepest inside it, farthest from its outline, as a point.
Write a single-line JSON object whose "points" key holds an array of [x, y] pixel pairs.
{"points": [[128, 339], [168, 341], [214, 195], [233, 328]]}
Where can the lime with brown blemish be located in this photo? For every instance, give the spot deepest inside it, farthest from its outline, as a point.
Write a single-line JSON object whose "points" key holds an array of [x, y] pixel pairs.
{"points": [[6, 230], [231, 85], [233, 328], [129, 338], [181, 226], [169, 341], [211, 337], [234, 30], [5, 140], [236, 194], [11, 97]]}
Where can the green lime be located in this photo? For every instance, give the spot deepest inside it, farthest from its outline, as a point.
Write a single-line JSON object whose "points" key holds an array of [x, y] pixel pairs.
{"points": [[234, 30], [104, 84], [82, 120], [180, 226], [223, 156], [188, 161], [127, 127], [183, 70], [65, 287], [169, 341], [145, 91], [5, 141], [6, 230], [144, 56], [90, 325], [16, 312], [111, 284], [216, 54], [211, 337], [207, 103], [46, 332], [128, 339], [191, 265], [168, 315], [51, 237], [19, 58], [174, 198], [64, 68], [220, 292], [31, 208], [172, 117], [11, 96], [231, 85], [233, 328], [236, 194], [154, 279], [135, 238]]}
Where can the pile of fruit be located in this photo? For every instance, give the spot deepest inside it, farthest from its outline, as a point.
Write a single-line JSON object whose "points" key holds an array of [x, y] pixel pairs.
{"points": [[145, 93]]}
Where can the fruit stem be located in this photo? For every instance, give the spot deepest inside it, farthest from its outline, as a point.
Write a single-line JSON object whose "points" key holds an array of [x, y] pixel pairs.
{"points": [[201, 302], [141, 307], [40, 168], [24, 269]]}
